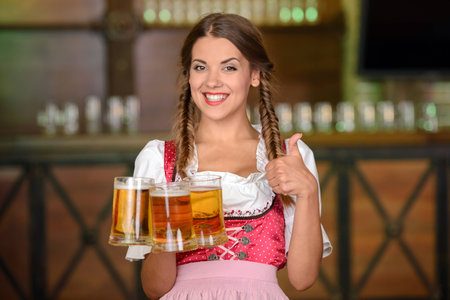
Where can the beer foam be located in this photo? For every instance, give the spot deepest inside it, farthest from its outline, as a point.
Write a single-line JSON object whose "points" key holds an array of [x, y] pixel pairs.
{"points": [[204, 188], [132, 185], [169, 193]]}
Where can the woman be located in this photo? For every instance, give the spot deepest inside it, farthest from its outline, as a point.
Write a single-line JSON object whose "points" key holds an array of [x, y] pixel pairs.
{"points": [[271, 200]]}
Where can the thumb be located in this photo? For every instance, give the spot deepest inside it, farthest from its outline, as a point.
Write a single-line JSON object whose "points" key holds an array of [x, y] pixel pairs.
{"points": [[292, 145]]}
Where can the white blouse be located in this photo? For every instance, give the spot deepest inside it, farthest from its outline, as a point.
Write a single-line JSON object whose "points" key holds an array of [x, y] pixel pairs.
{"points": [[241, 196]]}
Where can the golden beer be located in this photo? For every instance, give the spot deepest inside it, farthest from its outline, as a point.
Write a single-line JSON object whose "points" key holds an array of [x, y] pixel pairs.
{"points": [[172, 218], [207, 212], [207, 216], [130, 215]]}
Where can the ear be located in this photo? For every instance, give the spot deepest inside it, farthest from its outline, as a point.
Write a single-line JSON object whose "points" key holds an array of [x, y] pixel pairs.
{"points": [[255, 76]]}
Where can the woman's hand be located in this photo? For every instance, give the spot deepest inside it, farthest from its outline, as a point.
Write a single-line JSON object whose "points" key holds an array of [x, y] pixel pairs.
{"points": [[288, 175]]}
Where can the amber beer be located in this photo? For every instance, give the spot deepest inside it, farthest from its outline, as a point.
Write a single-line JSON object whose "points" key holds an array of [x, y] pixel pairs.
{"points": [[207, 212], [172, 218], [130, 214]]}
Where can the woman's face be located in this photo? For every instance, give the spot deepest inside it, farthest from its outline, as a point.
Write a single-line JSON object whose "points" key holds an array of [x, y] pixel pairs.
{"points": [[220, 78]]}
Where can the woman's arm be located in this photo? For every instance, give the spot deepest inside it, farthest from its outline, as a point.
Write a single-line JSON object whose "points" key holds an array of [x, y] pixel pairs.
{"points": [[305, 249], [158, 274], [288, 175]]}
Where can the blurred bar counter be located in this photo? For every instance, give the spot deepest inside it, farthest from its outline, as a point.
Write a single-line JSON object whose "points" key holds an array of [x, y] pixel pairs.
{"points": [[104, 148]]}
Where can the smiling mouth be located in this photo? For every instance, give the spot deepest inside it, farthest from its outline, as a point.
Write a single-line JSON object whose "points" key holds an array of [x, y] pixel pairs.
{"points": [[215, 99]]}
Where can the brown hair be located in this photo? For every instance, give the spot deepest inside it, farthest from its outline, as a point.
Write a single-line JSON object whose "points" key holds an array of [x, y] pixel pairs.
{"points": [[248, 39]]}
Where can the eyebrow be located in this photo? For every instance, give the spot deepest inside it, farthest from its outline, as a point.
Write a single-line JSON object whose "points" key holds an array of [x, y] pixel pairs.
{"points": [[222, 62]]}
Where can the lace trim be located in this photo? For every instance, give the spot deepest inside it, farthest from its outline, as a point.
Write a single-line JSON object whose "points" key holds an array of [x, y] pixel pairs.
{"points": [[247, 213]]}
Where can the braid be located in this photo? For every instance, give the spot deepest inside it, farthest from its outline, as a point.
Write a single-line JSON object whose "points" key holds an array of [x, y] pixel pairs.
{"points": [[269, 120], [269, 123], [184, 129]]}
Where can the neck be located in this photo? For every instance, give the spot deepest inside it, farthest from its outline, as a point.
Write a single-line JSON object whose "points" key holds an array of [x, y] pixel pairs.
{"points": [[212, 131]]}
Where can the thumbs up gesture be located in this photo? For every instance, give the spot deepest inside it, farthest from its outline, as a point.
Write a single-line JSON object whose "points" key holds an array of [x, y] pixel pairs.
{"points": [[288, 175]]}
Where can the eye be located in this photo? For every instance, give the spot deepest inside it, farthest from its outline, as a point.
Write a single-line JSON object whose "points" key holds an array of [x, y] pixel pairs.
{"points": [[230, 68], [199, 68]]}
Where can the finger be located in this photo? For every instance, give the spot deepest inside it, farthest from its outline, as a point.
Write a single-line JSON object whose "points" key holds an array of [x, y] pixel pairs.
{"points": [[292, 145], [274, 181]]}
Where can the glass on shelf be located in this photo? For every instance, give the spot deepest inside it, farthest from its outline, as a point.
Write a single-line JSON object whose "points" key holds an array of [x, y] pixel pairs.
{"points": [[284, 114], [345, 117], [428, 120], [385, 115], [205, 7], [192, 7], [150, 14], [114, 117], [49, 118], [131, 114], [218, 6], [365, 116], [285, 12], [405, 115], [312, 11], [93, 114], [323, 117], [71, 114], [258, 11], [165, 14], [245, 9], [179, 12], [272, 12], [232, 7], [303, 118], [298, 11]]}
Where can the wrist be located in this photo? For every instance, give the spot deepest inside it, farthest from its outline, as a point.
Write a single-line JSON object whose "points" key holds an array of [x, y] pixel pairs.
{"points": [[308, 202]]}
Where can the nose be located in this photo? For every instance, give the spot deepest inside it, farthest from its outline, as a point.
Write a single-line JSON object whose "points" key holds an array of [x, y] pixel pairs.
{"points": [[213, 79]]}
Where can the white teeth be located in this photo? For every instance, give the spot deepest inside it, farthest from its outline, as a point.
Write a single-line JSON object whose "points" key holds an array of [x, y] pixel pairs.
{"points": [[216, 97]]}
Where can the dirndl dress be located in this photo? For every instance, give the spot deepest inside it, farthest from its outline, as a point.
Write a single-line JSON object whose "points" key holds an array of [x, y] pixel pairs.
{"points": [[243, 268], [258, 228]]}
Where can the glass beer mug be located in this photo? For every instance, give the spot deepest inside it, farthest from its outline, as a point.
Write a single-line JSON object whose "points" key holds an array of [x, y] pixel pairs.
{"points": [[130, 214], [172, 218], [207, 212]]}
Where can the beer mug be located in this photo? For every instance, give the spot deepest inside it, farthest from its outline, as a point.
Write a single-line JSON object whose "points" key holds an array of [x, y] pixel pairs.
{"points": [[130, 213], [207, 212], [172, 218]]}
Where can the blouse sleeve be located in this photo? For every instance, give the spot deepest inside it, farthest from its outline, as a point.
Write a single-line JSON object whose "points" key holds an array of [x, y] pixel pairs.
{"points": [[149, 163], [289, 211]]}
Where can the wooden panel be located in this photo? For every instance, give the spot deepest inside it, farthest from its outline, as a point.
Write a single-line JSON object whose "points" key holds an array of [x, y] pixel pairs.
{"points": [[156, 63], [36, 67], [307, 63]]}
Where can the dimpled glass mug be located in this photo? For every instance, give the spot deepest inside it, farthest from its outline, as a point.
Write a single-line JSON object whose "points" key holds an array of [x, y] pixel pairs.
{"points": [[207, 212], [131, 224], [172, 229]]}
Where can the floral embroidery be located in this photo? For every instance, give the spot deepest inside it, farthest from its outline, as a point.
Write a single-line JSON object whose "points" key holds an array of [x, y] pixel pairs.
{"points": [[248, 213]]}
